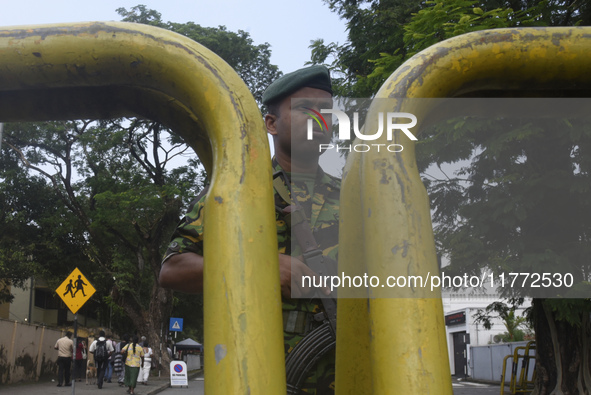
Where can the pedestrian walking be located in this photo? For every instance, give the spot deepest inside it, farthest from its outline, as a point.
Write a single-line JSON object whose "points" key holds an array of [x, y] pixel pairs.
{"points": [[65, 352], [119, 361], [101, 350], [147, 366], [80, 361], [134, 353], [109, 372]]}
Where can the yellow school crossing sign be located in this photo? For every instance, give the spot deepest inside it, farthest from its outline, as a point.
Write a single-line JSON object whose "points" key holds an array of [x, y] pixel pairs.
{"points": [[75, 290]]}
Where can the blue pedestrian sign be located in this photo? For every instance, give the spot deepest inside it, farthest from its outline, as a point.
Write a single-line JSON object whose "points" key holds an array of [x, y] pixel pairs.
{"points": [[176, 325]]}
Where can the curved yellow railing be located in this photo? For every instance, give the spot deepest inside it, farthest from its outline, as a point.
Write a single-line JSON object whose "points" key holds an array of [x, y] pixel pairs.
{"points": [[401, 341], [102, 70]]}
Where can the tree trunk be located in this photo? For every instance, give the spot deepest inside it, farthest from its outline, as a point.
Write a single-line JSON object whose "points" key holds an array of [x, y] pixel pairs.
{"points": [[151, 322], [562, 353], [160, 310]]}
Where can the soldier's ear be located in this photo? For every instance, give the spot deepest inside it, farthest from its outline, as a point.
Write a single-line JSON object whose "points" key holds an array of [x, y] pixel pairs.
{"points": [[271, 124]]}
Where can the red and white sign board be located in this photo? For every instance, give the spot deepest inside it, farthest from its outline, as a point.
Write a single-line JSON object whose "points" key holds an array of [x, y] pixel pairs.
{"points": [[178, 374]]}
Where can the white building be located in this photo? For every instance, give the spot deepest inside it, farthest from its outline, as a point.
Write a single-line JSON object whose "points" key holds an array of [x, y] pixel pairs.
{"points": [[460, 308]]}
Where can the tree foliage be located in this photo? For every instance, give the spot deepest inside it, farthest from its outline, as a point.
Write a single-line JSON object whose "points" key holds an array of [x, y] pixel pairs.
{"points": [[250, 61], [27, 220], [374, 27], [114, 199], [519, 204], [517, 327], [382, 34]]}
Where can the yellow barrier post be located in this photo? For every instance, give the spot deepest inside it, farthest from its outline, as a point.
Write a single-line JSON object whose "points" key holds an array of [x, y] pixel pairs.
{"points": [[103, 70], [504, 371], [406, 343], [523, 376], [514, 368]]}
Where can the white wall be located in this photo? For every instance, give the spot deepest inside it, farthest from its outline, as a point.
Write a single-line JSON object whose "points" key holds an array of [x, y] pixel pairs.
{"points": [[470, 302]]}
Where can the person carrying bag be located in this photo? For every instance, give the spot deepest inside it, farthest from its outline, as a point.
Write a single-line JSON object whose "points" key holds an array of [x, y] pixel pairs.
{"points": [[134, 354]]}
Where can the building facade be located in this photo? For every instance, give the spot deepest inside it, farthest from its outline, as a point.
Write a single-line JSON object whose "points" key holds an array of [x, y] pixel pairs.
{"points": [[463, 331]]}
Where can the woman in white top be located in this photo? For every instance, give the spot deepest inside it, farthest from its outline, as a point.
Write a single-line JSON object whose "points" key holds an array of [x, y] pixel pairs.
{"points": [[145, 373]]}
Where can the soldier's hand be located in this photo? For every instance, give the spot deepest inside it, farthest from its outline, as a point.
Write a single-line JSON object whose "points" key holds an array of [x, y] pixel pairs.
{"points": [[291, 268]]}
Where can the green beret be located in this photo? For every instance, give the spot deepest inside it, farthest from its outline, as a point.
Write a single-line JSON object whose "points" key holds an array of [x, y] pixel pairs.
{"points": [[312, 77]]}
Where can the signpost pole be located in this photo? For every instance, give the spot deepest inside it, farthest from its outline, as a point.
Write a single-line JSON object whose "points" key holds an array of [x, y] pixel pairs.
{"points": [[73, 370], [176, 325], [160, 357]]}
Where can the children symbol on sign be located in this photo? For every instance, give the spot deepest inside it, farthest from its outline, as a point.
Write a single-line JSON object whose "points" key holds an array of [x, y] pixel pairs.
{"points": [[79, 286], [69, 289]]}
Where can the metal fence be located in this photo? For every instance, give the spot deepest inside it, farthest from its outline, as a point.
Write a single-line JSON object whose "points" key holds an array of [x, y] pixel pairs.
{"points": [[486, 362]]}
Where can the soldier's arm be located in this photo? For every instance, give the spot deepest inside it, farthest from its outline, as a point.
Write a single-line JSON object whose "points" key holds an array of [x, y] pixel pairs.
{"points": [[183, 272], [294, 267]]}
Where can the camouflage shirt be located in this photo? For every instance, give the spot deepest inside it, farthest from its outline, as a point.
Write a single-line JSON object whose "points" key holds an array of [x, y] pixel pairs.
{"points": [[319, 197]]}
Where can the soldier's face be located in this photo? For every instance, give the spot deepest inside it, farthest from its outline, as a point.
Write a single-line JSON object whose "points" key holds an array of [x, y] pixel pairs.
{"points": [[291, 124]]}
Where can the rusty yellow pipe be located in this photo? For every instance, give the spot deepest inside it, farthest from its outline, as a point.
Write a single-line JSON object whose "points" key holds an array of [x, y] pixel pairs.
{"points": [[406, 342], [497, 63], [102, 70], [354, 368]]}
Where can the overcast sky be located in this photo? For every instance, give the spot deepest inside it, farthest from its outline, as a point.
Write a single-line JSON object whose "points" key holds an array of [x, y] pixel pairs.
{"points": [[288, 25]]}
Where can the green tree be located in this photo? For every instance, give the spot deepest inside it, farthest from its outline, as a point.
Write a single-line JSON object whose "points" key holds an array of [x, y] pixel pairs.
{"points": [[250, 61], [382, 34], [443, 19], [31, 227], [374, 27], [190, 307], [120, 202], [39, 237], [513, 323]]}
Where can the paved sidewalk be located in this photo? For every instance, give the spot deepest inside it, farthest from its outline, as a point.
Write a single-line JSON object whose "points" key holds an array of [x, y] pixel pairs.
{"points": [[154, 386]]}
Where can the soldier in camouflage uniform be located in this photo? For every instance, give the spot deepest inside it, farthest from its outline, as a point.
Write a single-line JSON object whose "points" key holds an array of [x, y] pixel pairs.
{"points": [[317, 193]]}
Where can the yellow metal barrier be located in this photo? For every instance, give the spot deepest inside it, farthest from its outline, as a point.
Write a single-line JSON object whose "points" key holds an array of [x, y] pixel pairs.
{"points": [[507, 357], [403, 340], [514, 368], [522, 384], [101, 70], [526, 385]]}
